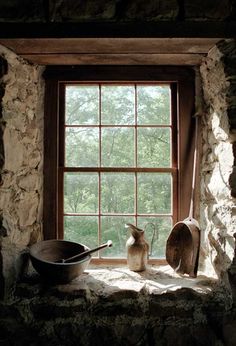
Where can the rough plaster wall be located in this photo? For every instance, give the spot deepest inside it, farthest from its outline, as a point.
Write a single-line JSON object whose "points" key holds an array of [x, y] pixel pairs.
{"points": [[21, 189], [218, 208]]}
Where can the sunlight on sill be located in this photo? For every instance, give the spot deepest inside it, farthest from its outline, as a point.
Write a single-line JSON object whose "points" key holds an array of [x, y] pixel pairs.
{"points": [[155, 280]]}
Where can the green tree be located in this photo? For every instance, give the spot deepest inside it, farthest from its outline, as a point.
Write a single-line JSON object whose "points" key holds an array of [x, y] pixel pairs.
{"points": [[115, 106]]}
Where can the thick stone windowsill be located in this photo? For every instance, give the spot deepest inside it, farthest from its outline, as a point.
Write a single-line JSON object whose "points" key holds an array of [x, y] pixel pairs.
{"points": [[107, 281], [116, 306], [119, 282]]}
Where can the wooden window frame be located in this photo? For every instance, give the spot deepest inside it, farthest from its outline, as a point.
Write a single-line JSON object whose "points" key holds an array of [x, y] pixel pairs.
{"points": [[180, 78]]}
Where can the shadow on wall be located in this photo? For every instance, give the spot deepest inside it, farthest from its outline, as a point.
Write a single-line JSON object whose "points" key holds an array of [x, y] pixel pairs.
{"points": [[219, 156], [232, 178], [220, 237], [3, 71]]}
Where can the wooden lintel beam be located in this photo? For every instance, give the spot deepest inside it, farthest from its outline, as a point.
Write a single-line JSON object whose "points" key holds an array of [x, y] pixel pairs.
{"points": [[115, 59], [110, 45]]}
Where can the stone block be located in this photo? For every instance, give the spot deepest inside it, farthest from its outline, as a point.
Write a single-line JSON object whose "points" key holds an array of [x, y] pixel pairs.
{"points": [[25, 11], [229, 329], [69, 292], [27, 208], [14, 150], [93, 10], [76, 11], [133, 333], [104, 335], [207, 10], [52, 310], [29, 182], [8, 310], [162, 310], [114, 295], [199, 334], [122, 308], [151, 10], [27, 290]]}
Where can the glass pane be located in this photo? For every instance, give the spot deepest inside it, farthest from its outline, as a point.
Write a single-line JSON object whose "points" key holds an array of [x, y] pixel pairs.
{"points": [[117, 193], [153, 104], [117, 104], [82, 229], [80, 192], [82, 104], [117, 147], [157, 231], [113, 228], [81, 147], [154, 193], [154, 147]]}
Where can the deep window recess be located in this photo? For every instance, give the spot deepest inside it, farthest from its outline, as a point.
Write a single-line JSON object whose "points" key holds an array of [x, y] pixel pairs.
{"points": [[118, 159]]}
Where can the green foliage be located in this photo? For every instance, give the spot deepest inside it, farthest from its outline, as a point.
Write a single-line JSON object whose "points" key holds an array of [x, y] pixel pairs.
{"points": [[81, 229], [154, 193], [117, 147], [119, 121], [156, 233], [117, 193], [82, 104], [114, 228], [81, 192], [153, 147], [117, 105], [81, 147], [153, 104]]}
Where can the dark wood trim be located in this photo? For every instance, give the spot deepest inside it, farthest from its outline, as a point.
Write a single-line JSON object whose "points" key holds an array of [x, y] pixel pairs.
{"points": [[106, 59], [125, 45], [51, 126], [186, 91], [61, 161], [112, 51], [123, 261], [115, 59], [136, 29], [118, 169], [181, 78], [119, 73], [174, 148]]}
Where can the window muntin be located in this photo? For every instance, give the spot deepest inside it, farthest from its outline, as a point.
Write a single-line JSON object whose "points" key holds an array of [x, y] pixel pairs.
{"points": [[118, 163]]}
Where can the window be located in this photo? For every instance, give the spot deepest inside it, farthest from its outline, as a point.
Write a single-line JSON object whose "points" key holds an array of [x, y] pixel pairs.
{"points": [[116, 157]]}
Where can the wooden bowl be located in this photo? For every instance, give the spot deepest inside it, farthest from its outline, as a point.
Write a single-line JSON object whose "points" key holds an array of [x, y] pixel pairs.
{"points": [[45, 254]]}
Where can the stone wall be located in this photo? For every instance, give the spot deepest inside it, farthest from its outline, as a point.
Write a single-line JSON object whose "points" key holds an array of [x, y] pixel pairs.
{"points": [[116, 10], [218, 204], [22, 160], [53, 313]]}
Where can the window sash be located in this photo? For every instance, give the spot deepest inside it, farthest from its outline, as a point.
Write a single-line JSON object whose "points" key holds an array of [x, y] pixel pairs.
{"points": [[172, 126], [182, 80]]}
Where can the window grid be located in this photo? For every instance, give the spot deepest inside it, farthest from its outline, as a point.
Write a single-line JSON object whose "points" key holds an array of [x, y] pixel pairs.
{"points": [[173, 170]]}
